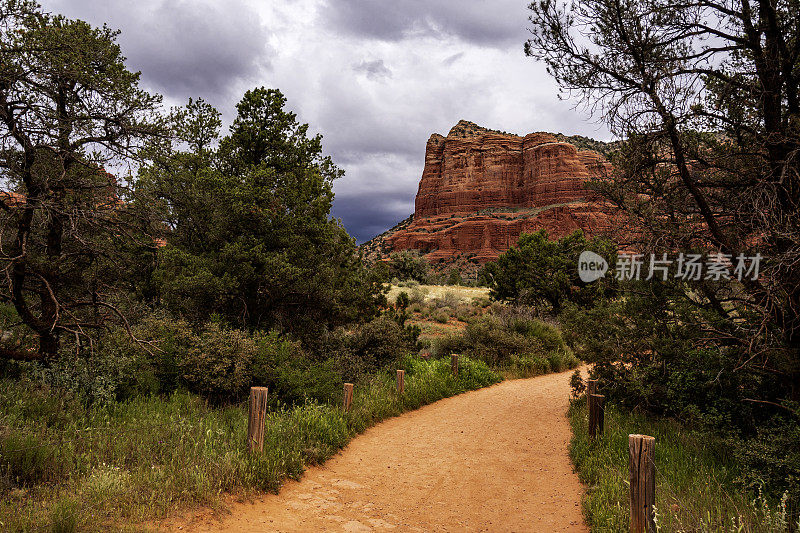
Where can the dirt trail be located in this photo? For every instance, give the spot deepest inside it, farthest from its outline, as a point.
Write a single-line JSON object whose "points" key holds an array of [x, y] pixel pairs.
{"points": [[490, 460]]}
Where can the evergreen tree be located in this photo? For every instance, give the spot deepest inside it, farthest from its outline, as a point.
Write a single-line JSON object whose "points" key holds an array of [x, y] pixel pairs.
{"points": [[250, 237], [68, 108]]}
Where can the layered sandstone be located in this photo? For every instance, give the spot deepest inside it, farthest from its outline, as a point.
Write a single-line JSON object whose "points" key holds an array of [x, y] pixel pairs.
{"points": [[481, 189]]}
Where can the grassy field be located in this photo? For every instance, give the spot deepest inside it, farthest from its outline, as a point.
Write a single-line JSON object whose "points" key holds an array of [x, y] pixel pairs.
{"points": [[696, 487], [96, 468], [436, 292], [441, 310]]}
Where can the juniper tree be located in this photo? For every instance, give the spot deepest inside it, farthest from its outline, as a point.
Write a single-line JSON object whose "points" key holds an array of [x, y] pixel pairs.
{"points": [[68, 108], [250, 238]]}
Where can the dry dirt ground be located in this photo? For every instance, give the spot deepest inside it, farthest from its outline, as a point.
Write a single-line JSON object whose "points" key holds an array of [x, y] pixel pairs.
{"points": [[490, 460]]}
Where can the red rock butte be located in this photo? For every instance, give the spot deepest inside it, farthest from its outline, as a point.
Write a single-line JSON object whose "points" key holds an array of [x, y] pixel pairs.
{"points": [[481, 189]]}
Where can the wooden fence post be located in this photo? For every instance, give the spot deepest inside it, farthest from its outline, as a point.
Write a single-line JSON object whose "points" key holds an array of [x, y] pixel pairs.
{"points": [[348, 396], [596, 414], [643, 482], [401, 381], [591, 388], [256, 417], [454, 363]]}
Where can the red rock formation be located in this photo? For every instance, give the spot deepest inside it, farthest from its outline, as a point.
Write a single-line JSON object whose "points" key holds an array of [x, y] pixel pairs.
{"points": [[481, 189]]}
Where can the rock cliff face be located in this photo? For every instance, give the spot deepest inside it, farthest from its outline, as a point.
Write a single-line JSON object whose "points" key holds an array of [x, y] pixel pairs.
{"points": [[481, 189]]}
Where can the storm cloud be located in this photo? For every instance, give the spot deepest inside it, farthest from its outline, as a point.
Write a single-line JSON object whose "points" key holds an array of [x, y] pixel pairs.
{"points": [[376, 79], [483, 22], [183, 49]]}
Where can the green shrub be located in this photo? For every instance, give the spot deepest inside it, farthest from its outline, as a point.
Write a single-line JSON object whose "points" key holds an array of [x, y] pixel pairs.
{"points": [[548, 336], [576, 384], [464, 312], [528, 366], [491, 340], [116, 367], [88, 378], [402, 300], [408, 265], [524, 344], [418, 295], [449, 299], [556, 361], [482, 302], [150, 367], [539, 271], [300, 379], [448, 344], [771, 458], [369, 347], [217, 362], [454, 277], [496, 308], [441, 316], [220, 366]]}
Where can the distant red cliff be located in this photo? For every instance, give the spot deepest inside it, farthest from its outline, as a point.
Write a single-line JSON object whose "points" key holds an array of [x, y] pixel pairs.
{"points": [[481, 189]]}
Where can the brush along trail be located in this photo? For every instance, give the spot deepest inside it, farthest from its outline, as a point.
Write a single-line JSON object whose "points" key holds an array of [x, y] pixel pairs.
{"points": [[490, 460]]}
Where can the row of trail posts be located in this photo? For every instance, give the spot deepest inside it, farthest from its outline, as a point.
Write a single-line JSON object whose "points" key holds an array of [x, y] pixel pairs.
{"points": [[258, 405], [641, 464]]}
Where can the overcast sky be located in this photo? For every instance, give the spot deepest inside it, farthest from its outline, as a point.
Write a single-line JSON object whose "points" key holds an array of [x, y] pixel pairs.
{"points": [[374, 77]]}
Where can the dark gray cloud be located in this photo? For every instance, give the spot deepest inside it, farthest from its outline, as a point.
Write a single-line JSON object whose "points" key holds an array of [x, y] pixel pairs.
{"points": [[182, 48], [374, 70], [483, 22], [370, 214]]}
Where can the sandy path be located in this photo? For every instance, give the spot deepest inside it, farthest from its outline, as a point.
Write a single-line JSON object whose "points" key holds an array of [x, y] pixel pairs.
{"points": [[490, 460]]}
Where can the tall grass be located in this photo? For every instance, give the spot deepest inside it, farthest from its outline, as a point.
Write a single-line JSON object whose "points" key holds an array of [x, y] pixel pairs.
{"points": [[696, 478], [65, 466]]}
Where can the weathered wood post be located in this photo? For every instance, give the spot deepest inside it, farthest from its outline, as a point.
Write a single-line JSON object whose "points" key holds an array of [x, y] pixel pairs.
{"points": [[348, 397], [454, 363], [596, 414], [591, 388], [643, 483], [256, 417], [401, 381]]}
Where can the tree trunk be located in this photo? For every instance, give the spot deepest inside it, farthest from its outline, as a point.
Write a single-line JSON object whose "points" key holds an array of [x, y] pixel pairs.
{"points": [[48, 345]]}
